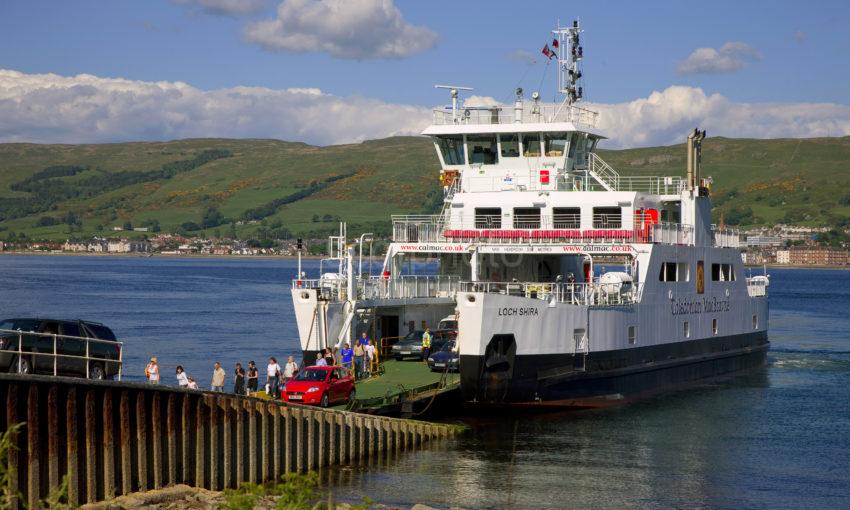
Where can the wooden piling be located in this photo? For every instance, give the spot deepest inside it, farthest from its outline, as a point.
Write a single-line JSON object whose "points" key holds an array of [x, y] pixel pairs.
{"points": [[90, 449], [108, 444], [52, 438], [171, 439], [72, 448], [141, 441], [33, 453]]}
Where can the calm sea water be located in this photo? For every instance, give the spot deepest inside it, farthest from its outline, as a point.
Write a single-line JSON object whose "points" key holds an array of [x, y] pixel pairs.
{"points": [[775, 438]]}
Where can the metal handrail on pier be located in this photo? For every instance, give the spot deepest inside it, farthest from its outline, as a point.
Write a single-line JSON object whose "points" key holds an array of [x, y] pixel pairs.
{"points": [[56, 356]]}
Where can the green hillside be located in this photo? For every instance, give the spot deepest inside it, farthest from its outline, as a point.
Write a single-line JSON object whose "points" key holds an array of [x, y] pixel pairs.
{"points": [[273, 187]]}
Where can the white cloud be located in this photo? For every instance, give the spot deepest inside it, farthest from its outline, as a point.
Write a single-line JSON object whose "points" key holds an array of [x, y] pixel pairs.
{"points": [[225, 7], [666, 117], [89, 109], [351, 29], [731, 57], [55, 109]]}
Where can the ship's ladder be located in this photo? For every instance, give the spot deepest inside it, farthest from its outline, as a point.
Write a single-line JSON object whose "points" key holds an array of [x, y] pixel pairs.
{"points": [[602, 173]]}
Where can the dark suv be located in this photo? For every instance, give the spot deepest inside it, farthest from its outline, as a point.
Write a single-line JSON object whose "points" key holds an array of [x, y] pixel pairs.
{"points": [[411, 345], [70, 341]]}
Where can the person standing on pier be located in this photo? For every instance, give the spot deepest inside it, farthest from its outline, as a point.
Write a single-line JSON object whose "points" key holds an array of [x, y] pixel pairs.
{"points": [[182, 378], [152, 372], [320, 360], [290, 369], [253, 376], [329, 357], [218, 377], [272, 377], [239, 383]]}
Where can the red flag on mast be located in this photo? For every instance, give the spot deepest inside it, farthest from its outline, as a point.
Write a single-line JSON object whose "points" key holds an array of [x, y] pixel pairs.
{"points": [[555, 42]]}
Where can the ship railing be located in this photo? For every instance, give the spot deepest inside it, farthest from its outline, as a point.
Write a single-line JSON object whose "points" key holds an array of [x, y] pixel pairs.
{"points": [[59, 352], [531, 113], [757, 286], [726, 237], [530, 180], [589, 294], [378, 287], [534, 229]]}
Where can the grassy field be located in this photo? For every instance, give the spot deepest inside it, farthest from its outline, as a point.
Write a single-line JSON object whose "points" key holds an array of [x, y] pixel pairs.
{"points": [[801, 181]]}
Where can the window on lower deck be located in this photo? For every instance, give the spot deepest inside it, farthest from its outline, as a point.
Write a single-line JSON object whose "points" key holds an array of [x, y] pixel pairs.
{"points": [[482, 149], [566, 217], [526, 217], [607, 217], [686, 329], [632, 335], [488, 217], [451, 147], [510, 145]]}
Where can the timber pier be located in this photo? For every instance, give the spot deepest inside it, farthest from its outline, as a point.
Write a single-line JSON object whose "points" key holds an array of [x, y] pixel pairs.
{"points": [[111, 439]]}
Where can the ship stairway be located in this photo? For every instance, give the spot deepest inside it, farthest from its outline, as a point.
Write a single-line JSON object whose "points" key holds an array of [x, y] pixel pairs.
{"points": [[602, 173], [447, 204]]}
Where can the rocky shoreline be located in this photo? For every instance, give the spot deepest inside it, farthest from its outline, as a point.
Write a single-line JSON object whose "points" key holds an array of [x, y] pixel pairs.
{"points": [[184, 497]]}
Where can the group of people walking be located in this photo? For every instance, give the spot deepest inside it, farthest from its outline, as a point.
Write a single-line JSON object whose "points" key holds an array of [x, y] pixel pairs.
{"points": [[245, 381]]}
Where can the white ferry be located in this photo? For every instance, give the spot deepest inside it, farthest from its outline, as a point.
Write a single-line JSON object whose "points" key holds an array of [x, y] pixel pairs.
{"points": [[572, 285]]}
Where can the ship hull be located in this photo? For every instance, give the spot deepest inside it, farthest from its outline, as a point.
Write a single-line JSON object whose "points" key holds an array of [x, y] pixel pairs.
{"points": [[604, 378]]}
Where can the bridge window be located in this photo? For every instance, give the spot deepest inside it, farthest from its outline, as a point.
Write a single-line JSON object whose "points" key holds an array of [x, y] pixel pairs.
{"points": [[573, 144], [482, 149], [555, 144], [510, 145], [451, 147], [531, 145], [566, 217], [607, 217], [488, 217], [674, 272], [526, 217], [722, 273]]}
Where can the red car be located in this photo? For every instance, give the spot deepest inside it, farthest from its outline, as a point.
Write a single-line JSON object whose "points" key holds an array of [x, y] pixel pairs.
{"points": [[320, 385]]}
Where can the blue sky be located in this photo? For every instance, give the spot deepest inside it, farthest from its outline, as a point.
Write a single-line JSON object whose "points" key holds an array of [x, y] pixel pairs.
{"points": [[788, 53]]}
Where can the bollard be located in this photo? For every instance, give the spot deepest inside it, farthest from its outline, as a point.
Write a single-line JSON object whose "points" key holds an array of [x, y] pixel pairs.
{"points": [[33, 455], [90, 449], [108, 444], [171, 439], [227, 443], [52, 438], [156, 443], [141, 441]]}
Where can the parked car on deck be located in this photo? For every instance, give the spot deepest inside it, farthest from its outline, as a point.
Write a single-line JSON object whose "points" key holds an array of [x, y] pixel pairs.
{"points": [[36, 339], [324, 386], [446, 358], [411, 345]]}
